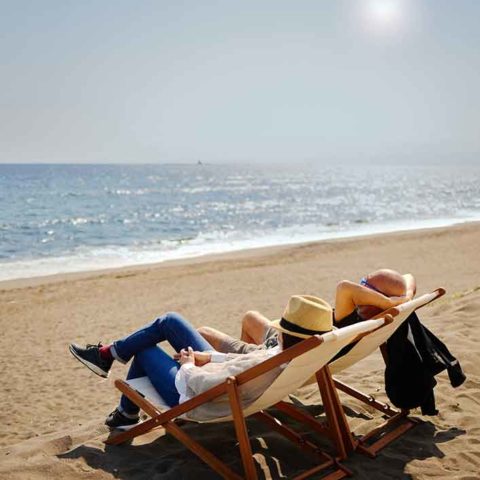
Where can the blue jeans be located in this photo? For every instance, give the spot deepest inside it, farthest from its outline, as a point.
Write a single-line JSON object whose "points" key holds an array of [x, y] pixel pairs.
{"points": [[151, 361]]}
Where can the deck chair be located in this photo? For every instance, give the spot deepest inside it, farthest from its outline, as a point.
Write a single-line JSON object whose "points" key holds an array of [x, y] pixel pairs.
{"points": [[304, 359], [398, 422]]}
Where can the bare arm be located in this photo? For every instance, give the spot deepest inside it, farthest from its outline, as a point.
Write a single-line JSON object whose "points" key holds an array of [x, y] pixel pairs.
{"points": [[350, 295], [411, 285]]}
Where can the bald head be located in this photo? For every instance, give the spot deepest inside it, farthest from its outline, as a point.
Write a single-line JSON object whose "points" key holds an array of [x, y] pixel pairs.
{"points": [[390, 282]]}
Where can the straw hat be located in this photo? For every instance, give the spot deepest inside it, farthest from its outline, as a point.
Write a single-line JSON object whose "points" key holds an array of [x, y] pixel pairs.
{"points": [[305, 316]]}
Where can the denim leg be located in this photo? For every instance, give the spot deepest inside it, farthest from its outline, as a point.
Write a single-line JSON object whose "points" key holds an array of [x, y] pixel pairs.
{"points": [[161, 369], [135, 371], [171, 327]]}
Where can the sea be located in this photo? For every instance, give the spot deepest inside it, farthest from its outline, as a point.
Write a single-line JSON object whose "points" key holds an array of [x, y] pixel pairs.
{"points": [[70, 218]]}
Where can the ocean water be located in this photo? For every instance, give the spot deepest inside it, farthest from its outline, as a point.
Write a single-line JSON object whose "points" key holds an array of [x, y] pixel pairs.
{"points": [[65, 218]]}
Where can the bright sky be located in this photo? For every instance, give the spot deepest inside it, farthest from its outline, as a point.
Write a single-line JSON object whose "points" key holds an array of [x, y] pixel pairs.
{"points": [[254, 81]]}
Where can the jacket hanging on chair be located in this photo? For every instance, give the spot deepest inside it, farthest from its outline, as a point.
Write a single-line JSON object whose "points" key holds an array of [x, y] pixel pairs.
{"points": [[414, 356]]}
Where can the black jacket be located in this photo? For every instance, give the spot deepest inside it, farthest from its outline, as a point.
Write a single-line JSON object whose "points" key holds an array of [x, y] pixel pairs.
{"points": [[414, 356]]}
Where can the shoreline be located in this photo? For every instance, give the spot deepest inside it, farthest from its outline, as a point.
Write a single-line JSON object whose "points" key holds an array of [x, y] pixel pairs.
{"points": [[21, 282]]}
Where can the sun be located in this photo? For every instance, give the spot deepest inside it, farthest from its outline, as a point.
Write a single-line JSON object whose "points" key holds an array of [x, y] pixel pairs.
{"points": [[383, 16], [385, 12]]}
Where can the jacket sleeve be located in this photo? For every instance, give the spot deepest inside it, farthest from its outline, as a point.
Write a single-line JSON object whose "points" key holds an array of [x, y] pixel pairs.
{"points": [[182, 378], [219, 357]]}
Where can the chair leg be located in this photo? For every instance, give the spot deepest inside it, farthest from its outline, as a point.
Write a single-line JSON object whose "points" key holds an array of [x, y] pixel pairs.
{"points": [[304, 418], [389, 431], [368, 399], [327, 461], [337, 422], [206, 456], [241, 430], [170, 427], [336, 428], [386, 433]]}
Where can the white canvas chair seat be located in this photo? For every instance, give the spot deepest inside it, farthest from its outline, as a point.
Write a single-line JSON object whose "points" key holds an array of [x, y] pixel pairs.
{"points": [[144, 386], [290, 379]]}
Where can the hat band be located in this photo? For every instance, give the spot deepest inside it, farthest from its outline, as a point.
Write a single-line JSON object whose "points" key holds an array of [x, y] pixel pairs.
{"points": [[292, 327]]}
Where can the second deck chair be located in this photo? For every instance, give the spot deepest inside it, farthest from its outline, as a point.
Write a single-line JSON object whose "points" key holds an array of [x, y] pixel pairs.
{"points": [[304, 359], [397, 422]]}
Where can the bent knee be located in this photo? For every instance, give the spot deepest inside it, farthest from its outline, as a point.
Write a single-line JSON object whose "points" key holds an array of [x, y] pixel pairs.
{"points": [[205, 331], [170, 318], [250, 315]]}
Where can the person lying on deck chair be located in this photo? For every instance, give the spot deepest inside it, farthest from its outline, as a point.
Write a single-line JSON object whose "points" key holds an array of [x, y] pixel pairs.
{"points": [[196, 366], [354, 302]]}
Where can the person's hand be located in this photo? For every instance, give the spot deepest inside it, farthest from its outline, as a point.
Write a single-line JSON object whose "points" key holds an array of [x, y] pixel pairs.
{"points": [[398, 300], [186, 356], [200, 358]]}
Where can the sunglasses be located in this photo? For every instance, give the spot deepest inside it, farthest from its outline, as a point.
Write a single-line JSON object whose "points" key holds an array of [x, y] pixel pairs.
{"points": [[363, 281]]}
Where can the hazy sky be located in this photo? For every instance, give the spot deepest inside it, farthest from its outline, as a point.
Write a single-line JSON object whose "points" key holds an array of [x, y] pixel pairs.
{"points": [[246, 81]]}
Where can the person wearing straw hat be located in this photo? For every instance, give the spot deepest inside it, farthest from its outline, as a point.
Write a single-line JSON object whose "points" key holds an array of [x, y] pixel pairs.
{"points": [[196, 366], [354, 302]]}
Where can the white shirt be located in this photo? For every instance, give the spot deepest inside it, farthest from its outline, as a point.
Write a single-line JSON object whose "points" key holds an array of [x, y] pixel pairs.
{"points": [[185, 371]]}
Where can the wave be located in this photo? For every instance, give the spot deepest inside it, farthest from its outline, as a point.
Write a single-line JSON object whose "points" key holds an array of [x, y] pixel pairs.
{"points": [[113, 256]]}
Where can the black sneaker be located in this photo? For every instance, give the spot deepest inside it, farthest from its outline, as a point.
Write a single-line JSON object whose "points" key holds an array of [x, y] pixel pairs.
{"points": [[90, 357], [117, 420]]}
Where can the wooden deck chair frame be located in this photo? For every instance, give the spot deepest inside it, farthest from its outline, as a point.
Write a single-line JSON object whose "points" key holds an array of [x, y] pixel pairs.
{"points": [[337, 421], [397, 421]]}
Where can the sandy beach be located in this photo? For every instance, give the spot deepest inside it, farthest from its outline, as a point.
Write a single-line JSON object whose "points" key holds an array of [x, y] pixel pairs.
{"points": [[53, 409]]}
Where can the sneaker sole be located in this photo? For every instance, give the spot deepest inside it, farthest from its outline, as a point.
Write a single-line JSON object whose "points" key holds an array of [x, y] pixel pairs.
{"points": [[91, 366], [125, 428]]}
